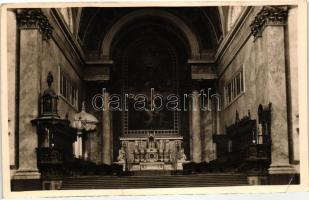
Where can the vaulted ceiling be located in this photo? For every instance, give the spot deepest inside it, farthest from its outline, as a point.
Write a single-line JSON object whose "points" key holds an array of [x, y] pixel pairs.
{"points": [[204, 22]]}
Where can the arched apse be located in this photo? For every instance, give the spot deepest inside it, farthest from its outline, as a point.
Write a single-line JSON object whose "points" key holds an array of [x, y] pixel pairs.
{"points": [[191, 38]]}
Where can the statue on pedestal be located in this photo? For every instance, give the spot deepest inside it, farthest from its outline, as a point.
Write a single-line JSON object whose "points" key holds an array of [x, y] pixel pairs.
{"points": [[151, 142], [161, 150], [121, 155], [136, 152], [182, 156]]}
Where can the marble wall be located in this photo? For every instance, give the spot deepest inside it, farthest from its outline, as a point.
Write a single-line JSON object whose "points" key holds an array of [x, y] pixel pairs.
{"points": [[240, 53], [246, 101], [54, 60], [11, 53]]}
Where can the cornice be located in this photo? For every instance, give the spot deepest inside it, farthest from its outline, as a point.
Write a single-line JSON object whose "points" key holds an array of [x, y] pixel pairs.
{"points": [[235, 40], [72, 41], [226, 42], [65, 41]]}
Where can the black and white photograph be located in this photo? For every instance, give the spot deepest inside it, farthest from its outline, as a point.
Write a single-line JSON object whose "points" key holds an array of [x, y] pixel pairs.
{"points": [[148, 97]]}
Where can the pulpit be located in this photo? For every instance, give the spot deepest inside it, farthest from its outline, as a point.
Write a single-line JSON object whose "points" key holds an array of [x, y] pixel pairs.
{"points": [[55, 136]]}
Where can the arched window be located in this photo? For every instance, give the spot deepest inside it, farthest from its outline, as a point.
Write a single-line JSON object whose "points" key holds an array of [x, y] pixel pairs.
{"points": [[68, 18], [233, 15]]}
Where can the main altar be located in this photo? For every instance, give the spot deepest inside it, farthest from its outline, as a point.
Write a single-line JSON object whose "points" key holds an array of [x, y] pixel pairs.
{"points": [[151, 153], [150, 136]]}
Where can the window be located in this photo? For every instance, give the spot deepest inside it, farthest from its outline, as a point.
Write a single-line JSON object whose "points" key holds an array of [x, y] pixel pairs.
{"points": [[233, 15], [68, 90], [234, 88], [67, 16]]}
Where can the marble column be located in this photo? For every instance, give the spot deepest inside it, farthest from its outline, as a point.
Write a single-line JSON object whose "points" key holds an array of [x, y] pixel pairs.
{"points": [[207, 132], [273, 83], [196, 127], [78, 147], [86, 146], [12, 85], [106, 129]]}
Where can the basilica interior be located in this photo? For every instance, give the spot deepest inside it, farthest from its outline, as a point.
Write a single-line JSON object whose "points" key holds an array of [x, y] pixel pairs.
{"points": [[66, 64]]}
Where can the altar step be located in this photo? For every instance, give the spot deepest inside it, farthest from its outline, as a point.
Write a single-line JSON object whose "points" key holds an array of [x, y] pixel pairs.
{"points": [[151, 173], [168, 181]]}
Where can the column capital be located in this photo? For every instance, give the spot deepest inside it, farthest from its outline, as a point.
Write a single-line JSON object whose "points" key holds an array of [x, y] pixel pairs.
{"points": [[269, 15], [34, 18]]}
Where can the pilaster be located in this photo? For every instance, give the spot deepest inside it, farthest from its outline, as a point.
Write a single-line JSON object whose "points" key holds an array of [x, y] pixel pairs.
{"points": [[268, 30], [34, 28]]}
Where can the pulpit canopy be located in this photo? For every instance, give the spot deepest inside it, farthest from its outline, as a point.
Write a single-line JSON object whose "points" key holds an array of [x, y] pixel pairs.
{"points": [[84, 121]]}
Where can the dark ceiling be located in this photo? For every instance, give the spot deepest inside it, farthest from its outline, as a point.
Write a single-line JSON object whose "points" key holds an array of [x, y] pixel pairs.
{"points": [[204, 22]]}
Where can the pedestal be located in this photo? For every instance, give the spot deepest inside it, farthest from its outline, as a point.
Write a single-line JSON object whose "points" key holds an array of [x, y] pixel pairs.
{"points": [[26, 179]]}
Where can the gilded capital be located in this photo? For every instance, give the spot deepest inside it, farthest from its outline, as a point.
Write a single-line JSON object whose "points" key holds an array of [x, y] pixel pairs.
{"points": [[269, 15], [34, 18]]}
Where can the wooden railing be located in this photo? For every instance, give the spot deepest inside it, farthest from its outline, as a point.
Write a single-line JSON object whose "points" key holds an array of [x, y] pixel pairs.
{"points": [[239, 149], [49, 156]]}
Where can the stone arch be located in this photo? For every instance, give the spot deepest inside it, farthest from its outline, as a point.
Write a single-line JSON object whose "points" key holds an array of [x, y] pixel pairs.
{"points": [[190, 36]]}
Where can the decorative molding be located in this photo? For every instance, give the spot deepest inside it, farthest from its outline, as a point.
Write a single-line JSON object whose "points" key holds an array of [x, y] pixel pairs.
{"points": [[230, 36], [62, 40], [235, 39], [97, 73], [269, 15], [203, 71], [70, 37], [66, 42], [33, 18]]}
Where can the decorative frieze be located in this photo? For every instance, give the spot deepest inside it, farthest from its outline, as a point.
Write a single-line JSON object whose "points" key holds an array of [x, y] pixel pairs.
{"points": [[34, 18], [269, 15]]}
